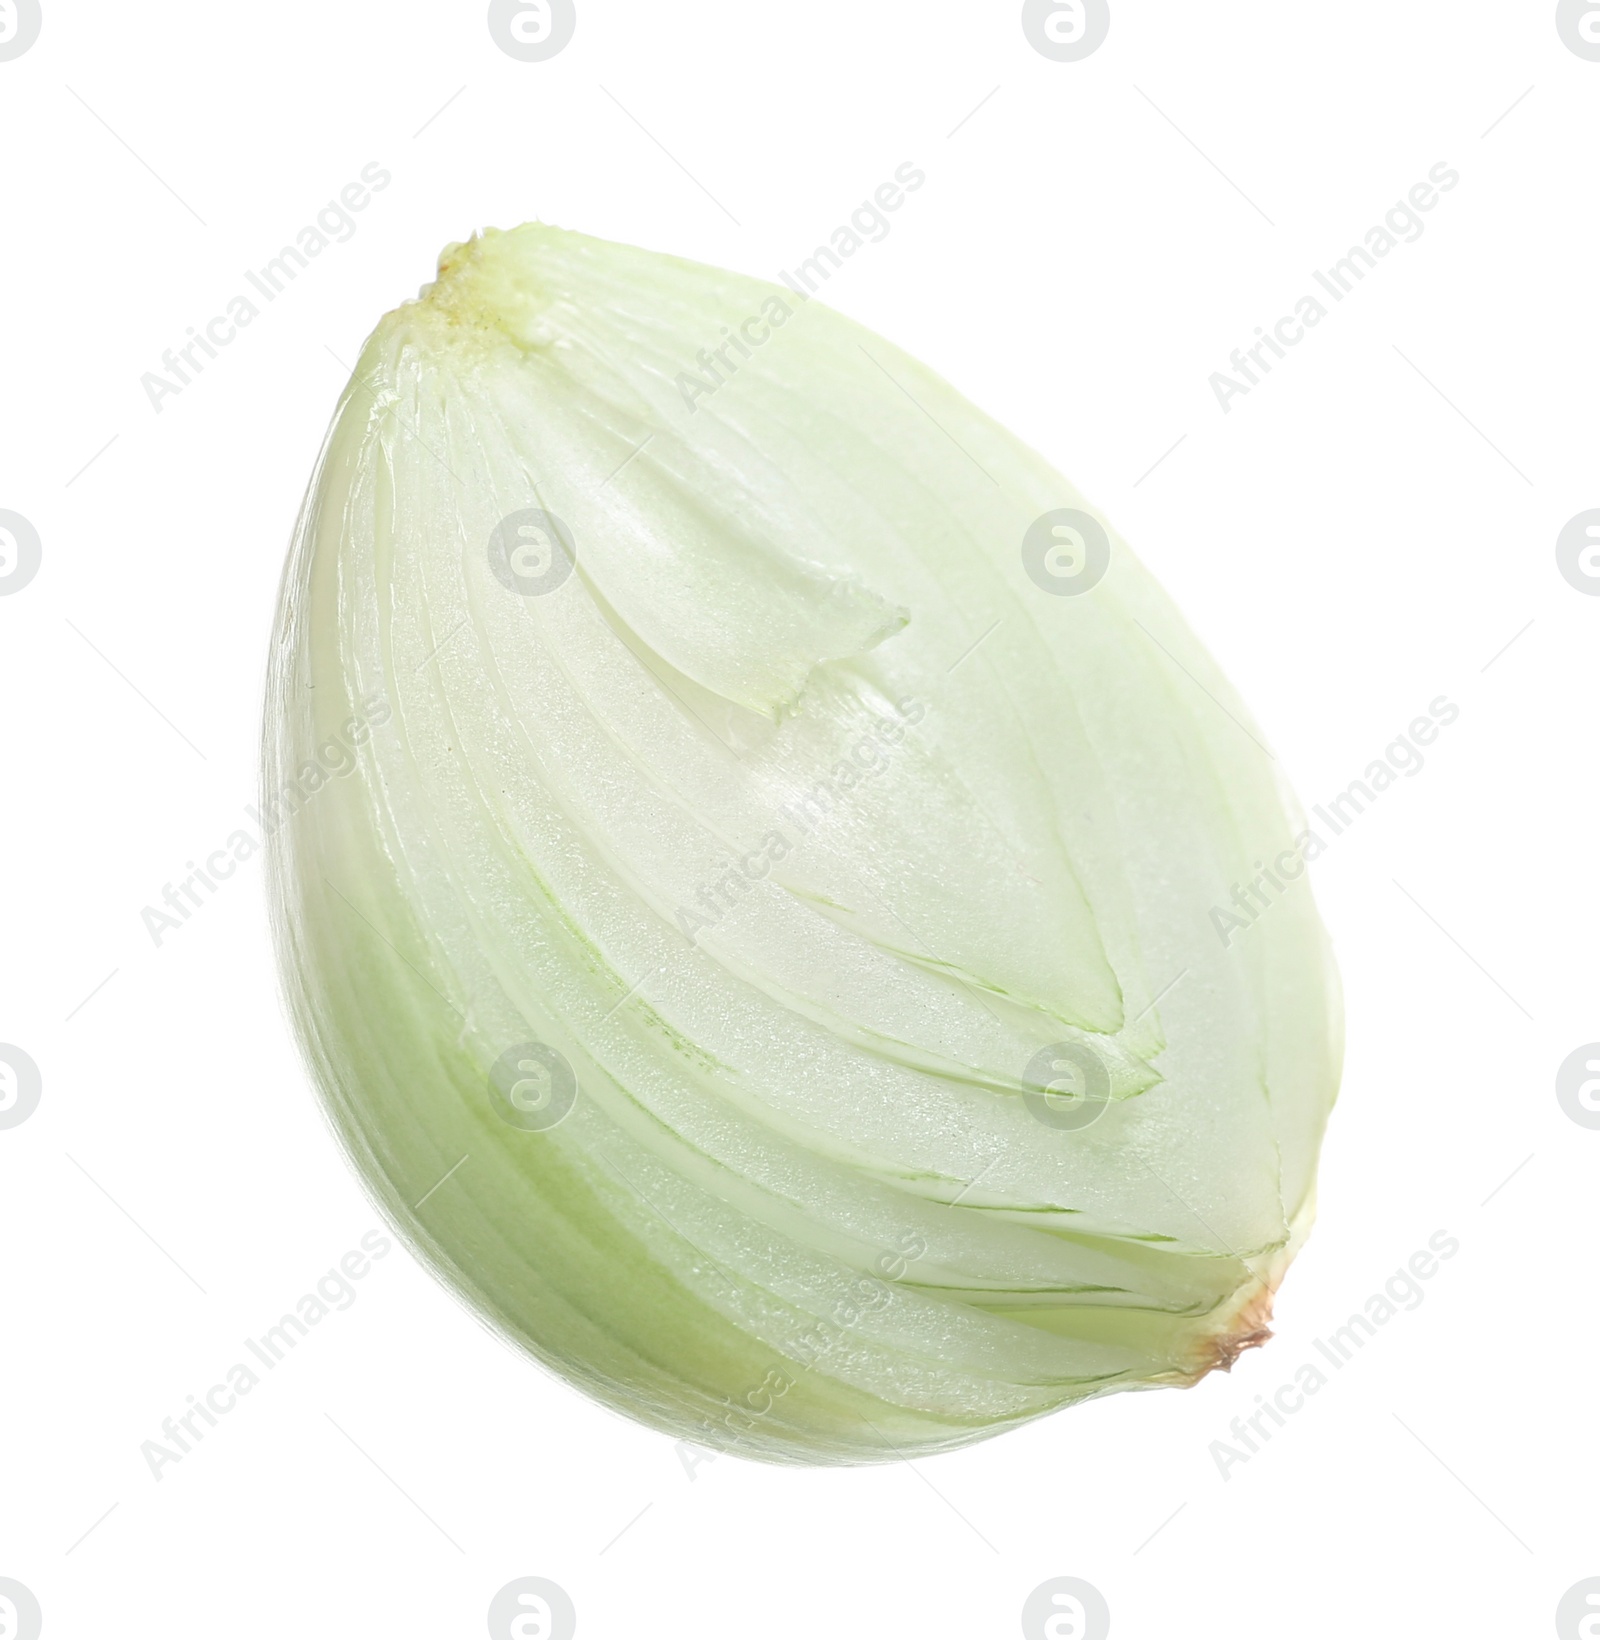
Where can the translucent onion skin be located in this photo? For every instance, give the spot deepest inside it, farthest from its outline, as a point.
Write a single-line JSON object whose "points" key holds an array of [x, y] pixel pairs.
{"points": [[786, 930]]}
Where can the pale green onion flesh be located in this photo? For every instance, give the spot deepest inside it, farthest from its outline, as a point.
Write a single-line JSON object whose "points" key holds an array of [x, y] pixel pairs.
{"points": [[774, 846]]}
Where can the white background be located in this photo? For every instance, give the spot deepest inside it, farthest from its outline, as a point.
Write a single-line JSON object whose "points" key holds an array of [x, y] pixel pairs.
{"points": [[1348, 540]]}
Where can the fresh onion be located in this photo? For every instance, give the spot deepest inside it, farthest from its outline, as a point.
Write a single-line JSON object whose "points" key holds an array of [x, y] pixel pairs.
{"points": [[755, 937]]}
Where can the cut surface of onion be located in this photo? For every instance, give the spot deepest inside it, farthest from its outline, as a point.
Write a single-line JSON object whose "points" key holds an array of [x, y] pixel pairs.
{"points": [[748, 842]]}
